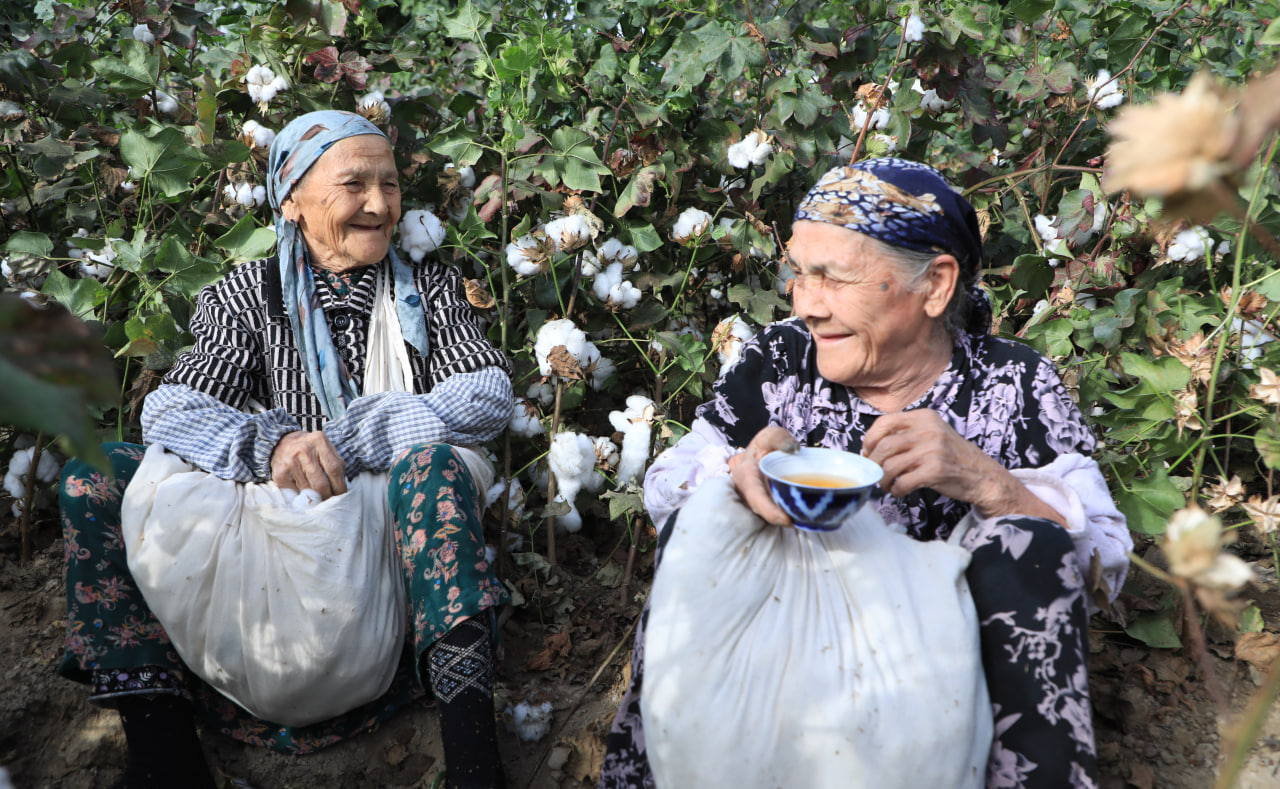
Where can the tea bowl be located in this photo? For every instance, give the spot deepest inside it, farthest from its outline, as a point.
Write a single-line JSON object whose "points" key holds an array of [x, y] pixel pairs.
{"points": [[818, 487]]}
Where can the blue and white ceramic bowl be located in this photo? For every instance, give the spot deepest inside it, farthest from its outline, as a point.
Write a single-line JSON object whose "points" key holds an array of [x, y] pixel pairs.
{"points": [[818, 487]]}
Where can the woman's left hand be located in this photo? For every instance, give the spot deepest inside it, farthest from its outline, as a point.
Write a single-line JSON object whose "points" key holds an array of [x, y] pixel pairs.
{"points": [[917, 449]]}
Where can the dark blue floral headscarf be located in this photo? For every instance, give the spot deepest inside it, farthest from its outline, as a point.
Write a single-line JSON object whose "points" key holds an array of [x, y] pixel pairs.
{"points": [[909, 205]]}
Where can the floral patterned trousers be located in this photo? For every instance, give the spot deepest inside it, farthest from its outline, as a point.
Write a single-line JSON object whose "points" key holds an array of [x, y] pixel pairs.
{"points": [[1029, 594], [116, 644]]}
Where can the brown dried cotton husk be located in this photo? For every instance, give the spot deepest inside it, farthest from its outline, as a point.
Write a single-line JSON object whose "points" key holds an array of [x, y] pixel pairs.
{"points": [[1190, 148]]}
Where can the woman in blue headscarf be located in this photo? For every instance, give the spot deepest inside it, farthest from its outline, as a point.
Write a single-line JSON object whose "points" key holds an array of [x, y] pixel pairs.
{"points": [[280, 386], [889, 354]]}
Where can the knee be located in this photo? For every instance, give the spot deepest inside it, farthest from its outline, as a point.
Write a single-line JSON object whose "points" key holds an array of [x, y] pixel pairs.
{"points": [[420, 459]]}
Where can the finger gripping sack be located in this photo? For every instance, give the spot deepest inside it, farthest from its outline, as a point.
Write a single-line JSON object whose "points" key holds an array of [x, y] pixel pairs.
{"points": [[295, 615], [790, 658]]}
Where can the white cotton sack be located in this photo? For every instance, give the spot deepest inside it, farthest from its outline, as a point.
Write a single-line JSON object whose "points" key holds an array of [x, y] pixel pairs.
{"points": [[295, 615], [782, 657]]}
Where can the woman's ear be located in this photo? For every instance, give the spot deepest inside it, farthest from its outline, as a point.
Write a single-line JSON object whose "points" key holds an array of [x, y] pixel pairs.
{"points": [[289, 209], [944, 273]]}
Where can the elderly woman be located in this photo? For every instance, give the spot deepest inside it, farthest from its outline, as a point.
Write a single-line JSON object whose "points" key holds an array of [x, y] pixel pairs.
{"points": [[276, 390], [889, 354]]}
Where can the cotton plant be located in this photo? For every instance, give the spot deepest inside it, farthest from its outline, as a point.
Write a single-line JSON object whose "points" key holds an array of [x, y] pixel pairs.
{"points": [[246, 194], [635, 422], [572, 458], [1253, 336], [1104, 90], [529, 255], [929, 100], [1054, 243], [614, 290], [165, 104], [526, 419], [93, 263], [257, 135], [755, 148], [421, 232], [879, 117], [692, 224], [263, 85]]}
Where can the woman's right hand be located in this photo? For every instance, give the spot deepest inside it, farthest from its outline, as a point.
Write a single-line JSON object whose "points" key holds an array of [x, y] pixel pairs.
{"points": [[748, 479], [303, 461]]}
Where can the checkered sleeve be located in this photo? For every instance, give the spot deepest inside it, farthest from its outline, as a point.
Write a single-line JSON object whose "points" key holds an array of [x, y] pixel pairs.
{"points": [[464, 410], [212, 435]]}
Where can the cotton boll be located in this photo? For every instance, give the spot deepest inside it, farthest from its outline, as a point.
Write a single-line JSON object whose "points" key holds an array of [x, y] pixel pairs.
{"points": [[692, 222], [467, 177], [728, 337], [929, 100], [611, 288], [755, 148], [263, 85], [143, 33], [889, 141], [1104, 91], [614, 251], [165, 103], [1252, 337], [572, 459], [1190, 244], [1045, 227], [912, 28], [530, 722], [589, 263], [606, 453], [421, 232], [525, 419], [541, 391], [568, 233], [259, 195], [526, 255], [635, 425], [603, 371], [11, 112], [879, 118], [259, 135], [562, 332], [374, 106]]}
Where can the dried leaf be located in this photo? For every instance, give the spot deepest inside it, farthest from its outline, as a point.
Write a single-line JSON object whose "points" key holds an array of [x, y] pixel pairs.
{"points": [[1260, 649], [554, 645], [1268, 389], [1223, 494], [478, 295], [564, 364]]}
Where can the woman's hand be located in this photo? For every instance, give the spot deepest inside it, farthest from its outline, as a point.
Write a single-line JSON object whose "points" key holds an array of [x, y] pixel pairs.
{"points": [[750, 482], [303, 461], [917, 449]]}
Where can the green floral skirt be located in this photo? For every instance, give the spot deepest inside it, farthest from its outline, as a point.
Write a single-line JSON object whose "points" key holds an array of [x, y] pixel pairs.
{"points": [[115, 644]]}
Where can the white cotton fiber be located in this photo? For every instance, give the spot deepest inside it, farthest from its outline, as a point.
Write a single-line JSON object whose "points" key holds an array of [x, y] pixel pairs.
{"points": [[572, 458], [634, 423], [420, 232], [530, 722]]}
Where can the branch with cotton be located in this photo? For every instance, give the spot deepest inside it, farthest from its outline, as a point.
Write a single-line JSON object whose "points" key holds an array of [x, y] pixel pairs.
{"points": [[263, 85], [614, 290], [1054, 244], [635, 423], [165, 103], [755, 148], [727, 338], [421, 232], [526, 419], [246, 194], [1191, 244], [690, 226], [466, 175], [912, 28], [572, 458], [257, 135], [98, 264], [929, 99]]}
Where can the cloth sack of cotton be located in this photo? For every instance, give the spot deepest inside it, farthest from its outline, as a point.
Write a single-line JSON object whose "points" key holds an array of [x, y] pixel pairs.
{"points": [[790, 658], [296, 614]]}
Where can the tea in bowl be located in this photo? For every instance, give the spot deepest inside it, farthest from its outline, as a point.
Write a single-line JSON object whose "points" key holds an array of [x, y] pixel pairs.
{"points": [[818, 487]]}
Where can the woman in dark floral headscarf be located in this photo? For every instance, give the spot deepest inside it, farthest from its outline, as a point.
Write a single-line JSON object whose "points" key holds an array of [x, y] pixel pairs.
{"points": [[890, 355]]}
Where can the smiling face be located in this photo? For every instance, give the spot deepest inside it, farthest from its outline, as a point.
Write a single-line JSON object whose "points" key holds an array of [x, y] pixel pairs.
{"points": [[871, 332], [347, 205]]}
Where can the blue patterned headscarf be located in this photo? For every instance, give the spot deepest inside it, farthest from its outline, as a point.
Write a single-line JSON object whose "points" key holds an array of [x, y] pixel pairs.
{"points": [[298, 146], [904, 204]]}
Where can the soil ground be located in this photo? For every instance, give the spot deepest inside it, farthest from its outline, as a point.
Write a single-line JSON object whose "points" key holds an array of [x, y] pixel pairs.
{"points": [[569, 644]]}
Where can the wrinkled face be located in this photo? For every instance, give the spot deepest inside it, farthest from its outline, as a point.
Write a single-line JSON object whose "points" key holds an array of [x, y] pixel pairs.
{"points": [[868, 328], [347, 205]]}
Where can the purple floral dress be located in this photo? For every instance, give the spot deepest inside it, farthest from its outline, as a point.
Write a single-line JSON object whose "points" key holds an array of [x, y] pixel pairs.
{"points": [[1025, 576]]}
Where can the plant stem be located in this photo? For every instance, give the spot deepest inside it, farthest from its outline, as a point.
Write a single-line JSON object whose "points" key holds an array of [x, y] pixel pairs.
{"points": [[1214, 686], [1240, 736]]}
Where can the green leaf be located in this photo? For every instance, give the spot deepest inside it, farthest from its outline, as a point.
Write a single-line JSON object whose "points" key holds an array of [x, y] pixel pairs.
{"points": [[1272, 36], [1032, 275], [760, 304], [1155, 629], [136, 73], [639, 190], [644, 238], [25, 241], [468, 23], [623, 503], [166, 158], [80, 296], [1267, 442], [247, 240], [1157, 376], [575, 160], [459, 145], [1251, 620], [1149, 503]]}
